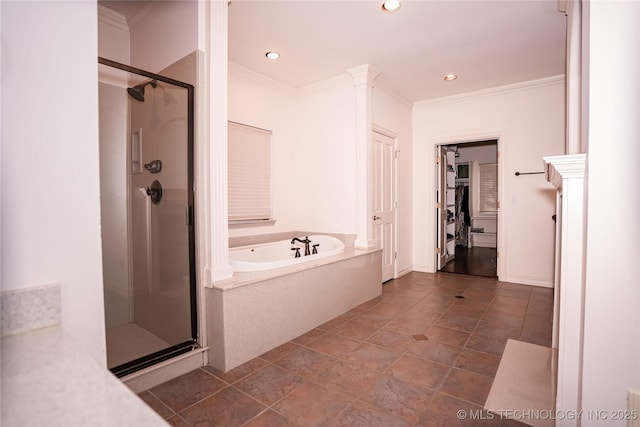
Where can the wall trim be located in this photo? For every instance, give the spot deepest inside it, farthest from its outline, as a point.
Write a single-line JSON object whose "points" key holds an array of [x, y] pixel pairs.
{"points": [[336, 81], [114, 19], [140, 11], [239, 70], [531, 281], [498, 90], [500, 135], [331, 82], [387, 87]]}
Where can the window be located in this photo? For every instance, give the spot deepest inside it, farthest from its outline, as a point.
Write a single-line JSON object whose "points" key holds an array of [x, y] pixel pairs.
{"points": [[249, 165], [488, 187]]}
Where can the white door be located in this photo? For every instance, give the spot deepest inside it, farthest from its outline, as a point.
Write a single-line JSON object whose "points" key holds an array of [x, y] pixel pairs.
{"points": [[384, 202]]}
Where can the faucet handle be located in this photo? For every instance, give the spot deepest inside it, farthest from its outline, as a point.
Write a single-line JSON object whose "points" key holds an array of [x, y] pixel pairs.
{"points": [[297, 255], [315, 248]]}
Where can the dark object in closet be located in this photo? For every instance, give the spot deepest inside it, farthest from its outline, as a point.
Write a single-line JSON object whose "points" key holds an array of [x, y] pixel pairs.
{"points": [[465, 206]]}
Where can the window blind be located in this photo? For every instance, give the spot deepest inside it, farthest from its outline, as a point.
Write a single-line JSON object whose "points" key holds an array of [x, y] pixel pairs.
{"points": [[488, 187], [249, 164]]}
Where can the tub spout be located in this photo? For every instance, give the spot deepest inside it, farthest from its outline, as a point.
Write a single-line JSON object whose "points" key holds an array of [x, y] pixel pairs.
{"points": [[306, 242]]}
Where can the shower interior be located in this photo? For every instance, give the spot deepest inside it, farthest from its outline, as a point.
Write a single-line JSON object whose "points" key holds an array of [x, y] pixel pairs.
{"points": [[146, 171]]}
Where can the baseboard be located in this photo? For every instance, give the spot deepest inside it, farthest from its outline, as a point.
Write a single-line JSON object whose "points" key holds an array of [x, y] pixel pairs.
{"points": [[532, 281], [423, 269], [403, 272]]}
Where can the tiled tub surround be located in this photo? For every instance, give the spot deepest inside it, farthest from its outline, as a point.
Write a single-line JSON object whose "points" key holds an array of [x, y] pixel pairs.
{"points": [[47, 380], [255, 312]]}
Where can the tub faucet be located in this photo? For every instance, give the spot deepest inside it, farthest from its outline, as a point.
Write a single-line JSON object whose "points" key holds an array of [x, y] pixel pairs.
{"points": [[306, 242]]}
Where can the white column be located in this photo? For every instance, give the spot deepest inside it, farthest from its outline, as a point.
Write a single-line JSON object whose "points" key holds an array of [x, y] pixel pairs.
{"points": [[217, 132], [363, 77], [566, 173], [573, 141]]}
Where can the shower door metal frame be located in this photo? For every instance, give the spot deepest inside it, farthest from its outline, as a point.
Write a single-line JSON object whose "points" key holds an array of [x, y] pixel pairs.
{"points": [[186, 346]]}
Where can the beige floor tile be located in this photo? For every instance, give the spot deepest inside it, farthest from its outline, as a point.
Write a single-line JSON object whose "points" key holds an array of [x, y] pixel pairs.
{"points": [[367, 368]]}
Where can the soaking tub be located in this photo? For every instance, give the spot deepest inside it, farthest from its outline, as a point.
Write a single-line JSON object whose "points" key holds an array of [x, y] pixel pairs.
{"points": [[267, 256]]}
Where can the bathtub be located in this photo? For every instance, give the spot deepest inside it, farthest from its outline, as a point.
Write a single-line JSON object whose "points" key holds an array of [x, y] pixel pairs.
{"points": [[267, 256]]}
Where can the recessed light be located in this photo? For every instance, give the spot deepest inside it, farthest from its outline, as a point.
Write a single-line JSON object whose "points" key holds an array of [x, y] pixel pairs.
{"points": [[272, 55], [391, 5], [450, 77]]}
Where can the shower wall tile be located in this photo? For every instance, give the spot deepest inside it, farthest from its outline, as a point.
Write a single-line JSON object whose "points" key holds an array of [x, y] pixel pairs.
{"points": [[23, 310]]}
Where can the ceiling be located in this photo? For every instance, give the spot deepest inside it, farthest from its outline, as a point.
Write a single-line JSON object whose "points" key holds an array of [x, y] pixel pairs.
{"points": [[486, 43]]}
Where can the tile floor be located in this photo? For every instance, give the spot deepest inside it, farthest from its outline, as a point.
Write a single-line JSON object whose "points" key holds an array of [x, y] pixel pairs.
{"points": [[427, 348]]}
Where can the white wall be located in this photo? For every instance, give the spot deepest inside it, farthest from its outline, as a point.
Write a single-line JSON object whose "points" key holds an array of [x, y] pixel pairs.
{"points": [[529, 121], [50, 169], [257, 101], [313, 150], [612, 296], [480, 154], [325, 166], [394, 115], [113, 36], [167, 33], [113, 43]]}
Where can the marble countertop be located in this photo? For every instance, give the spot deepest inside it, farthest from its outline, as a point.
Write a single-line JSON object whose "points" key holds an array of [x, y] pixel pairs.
{"points": [[46, 380]]}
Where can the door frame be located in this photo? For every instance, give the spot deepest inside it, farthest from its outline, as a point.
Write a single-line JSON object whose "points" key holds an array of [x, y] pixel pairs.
{"points": [[393, 135], [175, 350], [499, 136]]}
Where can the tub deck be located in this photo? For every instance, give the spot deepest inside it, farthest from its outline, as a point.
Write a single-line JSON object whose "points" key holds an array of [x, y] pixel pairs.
{"points": [[255, 312]]}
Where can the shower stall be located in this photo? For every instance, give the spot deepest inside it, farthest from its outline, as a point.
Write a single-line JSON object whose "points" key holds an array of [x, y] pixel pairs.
{"points": [[147, 214]]}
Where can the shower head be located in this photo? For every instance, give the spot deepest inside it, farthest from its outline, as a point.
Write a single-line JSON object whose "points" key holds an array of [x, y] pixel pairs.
{"points": [[137, 92]]}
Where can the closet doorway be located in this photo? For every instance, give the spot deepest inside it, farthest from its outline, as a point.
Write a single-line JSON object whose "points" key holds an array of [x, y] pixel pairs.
{"points": [[467, 208]]}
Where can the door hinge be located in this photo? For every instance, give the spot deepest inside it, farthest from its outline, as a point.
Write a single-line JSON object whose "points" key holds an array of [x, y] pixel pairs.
{"points": [[438, 159], [439, 205], [395, 255], [498, 203], [438, 250]]}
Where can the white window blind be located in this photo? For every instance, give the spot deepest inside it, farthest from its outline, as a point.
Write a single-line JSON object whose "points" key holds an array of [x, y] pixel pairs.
{"points": [[249, 163], [488, 187]]}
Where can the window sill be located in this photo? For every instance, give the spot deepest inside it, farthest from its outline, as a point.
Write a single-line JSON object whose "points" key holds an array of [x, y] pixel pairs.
{"points": [[251, 223]]}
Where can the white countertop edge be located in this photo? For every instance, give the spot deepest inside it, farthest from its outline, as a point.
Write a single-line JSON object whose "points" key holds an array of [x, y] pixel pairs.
{"points": [[48, 380]]}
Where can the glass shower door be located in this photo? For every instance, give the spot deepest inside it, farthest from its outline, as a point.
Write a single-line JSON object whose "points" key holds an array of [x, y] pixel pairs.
{"points": [[147, 211]]}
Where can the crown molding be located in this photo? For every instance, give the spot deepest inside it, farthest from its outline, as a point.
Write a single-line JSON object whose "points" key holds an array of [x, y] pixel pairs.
{"points": [[331, 82], [112, 18], [364, 74], [558, 168], [141, 11], [385, 86], [498, 90], [249, 74]]}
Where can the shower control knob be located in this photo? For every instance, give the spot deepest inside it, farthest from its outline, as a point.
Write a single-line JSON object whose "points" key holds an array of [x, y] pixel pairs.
{"points": [[154, 166], [155, 192]]}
